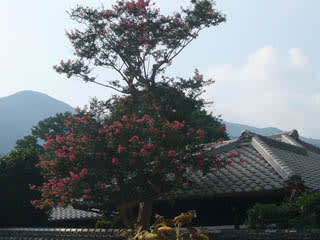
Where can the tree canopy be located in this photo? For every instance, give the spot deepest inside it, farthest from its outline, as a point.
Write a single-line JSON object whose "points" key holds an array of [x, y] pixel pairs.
{"points": [[134, 39]]}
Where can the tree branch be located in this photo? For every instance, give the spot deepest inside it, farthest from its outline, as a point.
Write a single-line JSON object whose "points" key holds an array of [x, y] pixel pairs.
{"points": [[106, 85]]}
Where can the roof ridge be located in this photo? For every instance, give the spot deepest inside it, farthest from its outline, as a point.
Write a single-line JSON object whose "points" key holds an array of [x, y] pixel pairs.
{"points": [[276, 163], [292, 133], [228, 145], [291, 140], [304, 144], [293, 147]]}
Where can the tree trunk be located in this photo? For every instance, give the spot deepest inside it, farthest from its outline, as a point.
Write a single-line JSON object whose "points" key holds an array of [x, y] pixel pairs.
{"points": [[145, 212], [126, 214]]}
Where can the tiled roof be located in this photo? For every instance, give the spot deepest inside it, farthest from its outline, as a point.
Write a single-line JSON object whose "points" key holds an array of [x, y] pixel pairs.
{"points": [[69, 213], [270, 163]]}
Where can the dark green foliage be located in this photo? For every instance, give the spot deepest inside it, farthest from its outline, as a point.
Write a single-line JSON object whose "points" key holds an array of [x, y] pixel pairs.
{"points": [[176, 103], [263, 216], [51, 125], [111, 222], [29, 142], [305, 210], [17, 171], [299, 212]]}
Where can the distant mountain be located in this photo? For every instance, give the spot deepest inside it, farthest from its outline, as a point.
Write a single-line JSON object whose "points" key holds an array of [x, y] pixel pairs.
{"points": [[234, 130], [23, 110]]}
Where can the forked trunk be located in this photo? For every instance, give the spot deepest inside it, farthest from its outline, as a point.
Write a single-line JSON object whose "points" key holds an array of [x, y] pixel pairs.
{"points": [[127, 214], [145, 212]]}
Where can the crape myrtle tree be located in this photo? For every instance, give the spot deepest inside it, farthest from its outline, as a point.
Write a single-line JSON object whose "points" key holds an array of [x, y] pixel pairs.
{"points": [[134, 147], [116, 159]]}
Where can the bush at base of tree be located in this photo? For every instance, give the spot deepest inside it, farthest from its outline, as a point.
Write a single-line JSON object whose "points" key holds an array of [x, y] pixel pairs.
{"points": [[17, 170], [300, 212], [262, 216]]}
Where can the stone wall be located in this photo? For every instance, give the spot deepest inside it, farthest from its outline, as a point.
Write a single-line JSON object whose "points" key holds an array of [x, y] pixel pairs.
{"points": [[97, 234]]}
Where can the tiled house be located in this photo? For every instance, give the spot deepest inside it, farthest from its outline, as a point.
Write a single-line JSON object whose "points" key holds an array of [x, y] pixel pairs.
{"points": [[273, 166]]}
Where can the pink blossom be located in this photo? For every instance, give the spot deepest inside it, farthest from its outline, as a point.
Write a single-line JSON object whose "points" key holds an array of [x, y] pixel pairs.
{"points": [[67, 123], [85, 196], [200, 163], [74, 176], [77, 109], [125, 118], [132, 161], [83, 172], [213, 165], [88, 190], [223, 128], [190, 130], [101, 131], [172, 153], [103, 186], [72, 156], [200, 132], [181, 167], [220, 140], [34, 202], [148, 146], [134, 138], [115, 160], [120, 148]]}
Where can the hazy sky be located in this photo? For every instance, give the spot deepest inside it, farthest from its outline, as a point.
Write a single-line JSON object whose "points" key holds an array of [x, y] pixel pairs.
{"points": [[265, 58]]}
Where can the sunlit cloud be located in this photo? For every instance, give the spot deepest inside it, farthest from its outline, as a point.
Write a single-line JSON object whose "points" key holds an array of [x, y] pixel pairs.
{"points": [[269, 89]]}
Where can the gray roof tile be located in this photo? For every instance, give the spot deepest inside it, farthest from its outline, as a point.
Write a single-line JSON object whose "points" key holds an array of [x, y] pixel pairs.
{"points": [[69, 213]]}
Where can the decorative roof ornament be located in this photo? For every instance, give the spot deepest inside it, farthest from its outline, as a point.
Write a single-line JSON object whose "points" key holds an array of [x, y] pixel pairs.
{"points": [[246, 135], [294, 133]]}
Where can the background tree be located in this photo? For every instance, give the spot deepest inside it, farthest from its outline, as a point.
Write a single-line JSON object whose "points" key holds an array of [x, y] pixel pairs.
{"points": [[51, 125], [17, 170]]}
